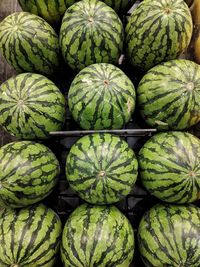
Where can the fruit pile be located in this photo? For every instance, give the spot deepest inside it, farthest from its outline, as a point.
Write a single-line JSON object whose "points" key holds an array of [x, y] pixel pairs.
{"points": [[116, 67]]}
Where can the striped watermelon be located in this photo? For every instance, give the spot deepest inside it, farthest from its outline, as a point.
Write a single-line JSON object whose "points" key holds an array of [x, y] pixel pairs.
{"points": [[53, 10], [31, 106], [158, 31], [91, 32], [29, 237], [101, 97], [97, 236], [101, 168], [169, 95], [169, 235], [170, 167], [28, 173], [28, 43]]}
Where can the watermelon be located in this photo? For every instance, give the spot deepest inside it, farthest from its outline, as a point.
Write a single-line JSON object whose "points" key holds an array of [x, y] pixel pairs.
{"points": [[101, 97], [31, 106], [158, 31], [169, 167], [28, 173], [29, 43], [53, 10], [97, 236], [29, 237], [101, 168], [169, 95], [91, 32], [169, 235]]}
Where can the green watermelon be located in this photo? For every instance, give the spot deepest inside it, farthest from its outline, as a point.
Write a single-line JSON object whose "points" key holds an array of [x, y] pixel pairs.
{"points": [[91, 32], [169, 95], [29, 44], [29, 237], [31, 106], [97, 236], [101, 168], [169, 235], [53, 10], [28, 173], [158, 31], [101, 97], [169, 167]]}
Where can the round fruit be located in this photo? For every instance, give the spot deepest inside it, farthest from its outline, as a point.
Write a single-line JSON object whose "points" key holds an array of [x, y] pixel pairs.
{"points": [[31, 106], [169, 235], [29, 237], [97, 236], [28, 173], [101, 97], [169, 95], [91, 32], [101, 168], [29, 43], [169, 167], [158, 31]]}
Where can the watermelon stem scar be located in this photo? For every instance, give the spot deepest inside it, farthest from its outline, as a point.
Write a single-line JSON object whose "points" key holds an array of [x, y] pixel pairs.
{"points": [[168, 10], [90, 19], [106, 82], [190, 86], [20, 102], [102, 173], [192, 174]]}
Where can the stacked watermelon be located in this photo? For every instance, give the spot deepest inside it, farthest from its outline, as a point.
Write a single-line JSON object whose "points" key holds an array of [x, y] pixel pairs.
{"points": [[32, 106], [101, 168], [101, 96]]}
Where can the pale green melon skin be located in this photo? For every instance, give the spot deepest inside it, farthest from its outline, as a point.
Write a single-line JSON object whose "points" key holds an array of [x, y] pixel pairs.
{"points": [[91, 32], [101, 235], [31, 106], [101, 168], [157, 31], [29, 44], [101, 96], [169, 235], [169, 95], [29, 235]]}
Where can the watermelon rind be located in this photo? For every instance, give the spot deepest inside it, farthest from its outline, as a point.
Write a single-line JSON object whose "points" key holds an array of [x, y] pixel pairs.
{"points": [[29, 237], [158, 31], [28, 173], [31, 106], [101, 96], [169, 95], [169, 235], [29, 43], [97, 236], [101, 168], [169, 167], [91, 32]]}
